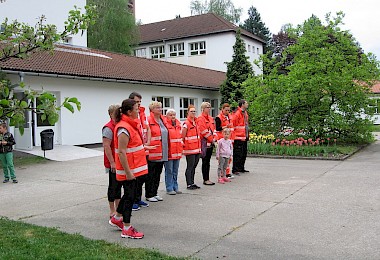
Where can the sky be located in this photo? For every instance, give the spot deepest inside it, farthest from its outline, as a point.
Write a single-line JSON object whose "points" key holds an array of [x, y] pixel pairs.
{"points": [[362, 17]]}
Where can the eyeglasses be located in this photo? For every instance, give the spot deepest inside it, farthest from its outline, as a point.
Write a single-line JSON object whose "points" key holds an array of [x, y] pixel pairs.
{"points": [[208, 107], [193, 111]]}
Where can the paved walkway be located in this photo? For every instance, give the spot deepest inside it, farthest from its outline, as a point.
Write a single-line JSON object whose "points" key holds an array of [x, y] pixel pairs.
{"points": [[282, 209]]}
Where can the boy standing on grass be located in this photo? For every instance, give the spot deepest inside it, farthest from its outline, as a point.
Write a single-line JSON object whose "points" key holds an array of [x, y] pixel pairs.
{"points": [[6, 155]]}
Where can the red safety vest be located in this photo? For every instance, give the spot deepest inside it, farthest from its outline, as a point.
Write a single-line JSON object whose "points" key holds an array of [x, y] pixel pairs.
{"points": [[239, 124], [206, 127], [225, 120], [110, 125], [156, 139], [135, 150], [175, 140], [192, 141]]}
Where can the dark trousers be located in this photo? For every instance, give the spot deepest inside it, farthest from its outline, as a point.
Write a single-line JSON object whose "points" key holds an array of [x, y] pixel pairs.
{"points": [[114, 187], [191, 163], [153, 180], [206, 163], [140, 182], [126, 202], [240, 155]]}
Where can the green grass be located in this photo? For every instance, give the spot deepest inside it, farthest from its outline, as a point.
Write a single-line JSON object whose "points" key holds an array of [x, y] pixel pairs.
{"points": [[19, 240], [23, 160], [376, 128]]}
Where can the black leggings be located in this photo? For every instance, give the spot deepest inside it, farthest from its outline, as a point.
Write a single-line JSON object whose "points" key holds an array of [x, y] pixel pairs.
{"points": [[153, 181], [114, 187], [126, 202], [192, 162], [206, 164]]}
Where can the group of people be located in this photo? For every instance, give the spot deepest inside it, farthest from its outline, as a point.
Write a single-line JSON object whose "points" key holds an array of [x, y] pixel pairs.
{"points": [[137, 148]]}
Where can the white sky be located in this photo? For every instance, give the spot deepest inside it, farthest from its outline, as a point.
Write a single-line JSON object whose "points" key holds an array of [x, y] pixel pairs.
{"points": [[362, 17]]}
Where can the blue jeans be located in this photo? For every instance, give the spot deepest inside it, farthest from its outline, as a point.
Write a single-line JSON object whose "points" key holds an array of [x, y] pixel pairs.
{"points": [[171, 174]]}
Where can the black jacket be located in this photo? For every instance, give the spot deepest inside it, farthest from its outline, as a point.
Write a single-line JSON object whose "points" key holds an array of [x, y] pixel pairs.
{"points": [[8, 137]]}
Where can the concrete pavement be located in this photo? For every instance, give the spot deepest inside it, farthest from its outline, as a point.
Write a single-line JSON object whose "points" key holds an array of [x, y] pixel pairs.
{"points": [[282, 209]]}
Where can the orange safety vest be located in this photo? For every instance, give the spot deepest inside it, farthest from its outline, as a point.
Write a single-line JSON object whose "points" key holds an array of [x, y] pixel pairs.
{"points": [[239, 124], [135, 150], [206, 127], [225, 120], [192, 141], [175, 140], [156, 139]]}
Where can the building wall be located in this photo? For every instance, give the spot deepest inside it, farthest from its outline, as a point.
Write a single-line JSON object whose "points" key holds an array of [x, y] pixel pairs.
{"points": [[30, 11], [84, 127]]}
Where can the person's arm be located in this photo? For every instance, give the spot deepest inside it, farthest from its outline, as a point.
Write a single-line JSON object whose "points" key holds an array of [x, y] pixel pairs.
{"points": [[205, 131], [109, 153], [123, 142], [148, 135], [218, 124], [184, 132]]}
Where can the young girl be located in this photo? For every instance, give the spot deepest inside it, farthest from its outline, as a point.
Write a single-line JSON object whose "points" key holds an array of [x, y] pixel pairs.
{"points": [[6, 155], [223, 155]]}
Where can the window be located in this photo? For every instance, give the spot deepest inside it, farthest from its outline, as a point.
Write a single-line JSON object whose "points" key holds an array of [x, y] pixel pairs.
{"points": [[183, 105], [374, 105], [258, 51], [157, 52], [253, 49], [140, 53], [214, 106], [167, 102], [249, 48], [197, 48], [176, 49]]}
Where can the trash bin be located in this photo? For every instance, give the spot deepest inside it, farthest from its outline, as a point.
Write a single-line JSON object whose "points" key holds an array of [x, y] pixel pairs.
{"points": [[47, 137]]}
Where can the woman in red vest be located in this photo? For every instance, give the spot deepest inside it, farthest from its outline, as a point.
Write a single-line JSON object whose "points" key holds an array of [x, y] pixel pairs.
{"points": [[114, 187], [175, 153], [191, 146], [130, 162]]}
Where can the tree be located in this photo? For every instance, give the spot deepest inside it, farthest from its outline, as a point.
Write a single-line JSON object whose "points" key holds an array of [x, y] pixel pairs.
{"points": [[223, 8], [115, 28], [325, 91], [238, 70], [18, 40], [256, 26]]}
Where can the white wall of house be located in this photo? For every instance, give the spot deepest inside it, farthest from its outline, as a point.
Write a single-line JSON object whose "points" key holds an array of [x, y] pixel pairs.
{"points": [[56, 12], [219, 49], [84, 127]]}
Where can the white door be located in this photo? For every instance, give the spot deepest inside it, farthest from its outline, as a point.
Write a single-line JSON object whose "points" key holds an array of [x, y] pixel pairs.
{"points": [[39, 126]]}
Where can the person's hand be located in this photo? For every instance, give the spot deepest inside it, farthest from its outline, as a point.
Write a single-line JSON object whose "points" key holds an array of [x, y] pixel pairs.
{"points": [[150, 147], [217, 158], [130, 177], [3, 142], [113, 167]]}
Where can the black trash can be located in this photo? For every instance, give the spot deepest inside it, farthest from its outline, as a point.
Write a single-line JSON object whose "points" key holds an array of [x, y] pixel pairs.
{"points": [[47, 137]]}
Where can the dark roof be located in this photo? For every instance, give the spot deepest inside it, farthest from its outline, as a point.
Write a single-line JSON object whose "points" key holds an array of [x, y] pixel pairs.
{"points": [[198, 25], [85, 62]]}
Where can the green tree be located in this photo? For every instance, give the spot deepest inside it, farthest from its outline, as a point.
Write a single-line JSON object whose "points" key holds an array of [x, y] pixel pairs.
{"points": [[238, 70], [18, 40], [256, 26], [223, 8], [325, 90], [115, 28]]}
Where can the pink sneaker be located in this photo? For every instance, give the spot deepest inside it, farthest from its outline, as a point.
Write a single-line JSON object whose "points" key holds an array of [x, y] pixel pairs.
{"points": [[131, 232], [116, 223], [226, 179], [221, 181]]}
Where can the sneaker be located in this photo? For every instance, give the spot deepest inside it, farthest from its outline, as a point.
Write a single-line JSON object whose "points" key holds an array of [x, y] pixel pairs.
{"points": [[171, 192], [226, 179], [143, 204], [152, 199], [221, 180], [135, 207], [15, 181], [191, 187], [6, 180], [178, 192], [230, 176], [196, 186], [158, 198], [116, 223], [131, 232], [245, 171]]}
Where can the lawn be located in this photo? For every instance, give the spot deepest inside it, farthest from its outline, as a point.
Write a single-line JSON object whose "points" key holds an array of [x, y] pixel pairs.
{"points": [[19, 240]]}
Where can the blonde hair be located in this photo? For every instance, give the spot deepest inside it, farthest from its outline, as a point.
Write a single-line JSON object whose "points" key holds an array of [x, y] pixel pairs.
{"points": [[204, 105], [170, 110], [154, 104], [226, 130], [112, 109]]}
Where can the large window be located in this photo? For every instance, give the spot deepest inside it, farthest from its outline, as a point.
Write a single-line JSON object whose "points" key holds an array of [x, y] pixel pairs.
{"points": [[375, 105], [140, 52], [176, 49], [214, 106], [157, 52], [183, 105], [197, 48], [167, 102]]}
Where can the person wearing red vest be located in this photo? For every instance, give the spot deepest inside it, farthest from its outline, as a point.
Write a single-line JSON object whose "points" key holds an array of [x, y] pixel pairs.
{"points": [[144, 127], [159, 155], [191, 146], [241, 130], [130, 162], [207, 128], [175, 153], [114, 187], [222, 121]]}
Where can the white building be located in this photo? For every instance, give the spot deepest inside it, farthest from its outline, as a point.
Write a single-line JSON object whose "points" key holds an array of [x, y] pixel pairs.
{"points": [[204, 41], [55, 12]]}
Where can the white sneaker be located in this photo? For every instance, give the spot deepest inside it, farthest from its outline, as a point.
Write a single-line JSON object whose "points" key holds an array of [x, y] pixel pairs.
{"points": [[158, 198], [231, 176], [152, 199]]}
